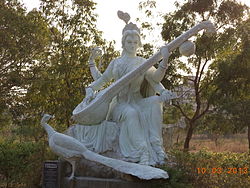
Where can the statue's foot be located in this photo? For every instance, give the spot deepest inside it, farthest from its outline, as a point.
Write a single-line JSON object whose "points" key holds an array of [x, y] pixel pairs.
{"points": [[161, 158], [161, 162], [71, 178], [144, 160], [144, 163]]}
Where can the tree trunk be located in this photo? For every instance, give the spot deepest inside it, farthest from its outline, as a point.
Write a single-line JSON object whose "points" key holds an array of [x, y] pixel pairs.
{"points": [[249, 137], [189, 136]]}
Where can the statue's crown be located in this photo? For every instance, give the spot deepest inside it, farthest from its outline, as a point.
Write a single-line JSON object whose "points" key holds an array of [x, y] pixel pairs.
{"points": [[126, 17], [130, 26]]}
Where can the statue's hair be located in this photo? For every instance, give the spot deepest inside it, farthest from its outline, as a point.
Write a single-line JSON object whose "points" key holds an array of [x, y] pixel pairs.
{"points": [[130, 26], [129, 33]]}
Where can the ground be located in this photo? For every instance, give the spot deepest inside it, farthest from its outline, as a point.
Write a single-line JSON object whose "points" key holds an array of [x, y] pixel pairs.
{"points": [[237, 143]]}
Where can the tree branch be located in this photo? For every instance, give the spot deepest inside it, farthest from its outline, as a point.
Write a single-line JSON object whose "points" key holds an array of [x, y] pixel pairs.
{"points": [[219, 27], [196, 87], [202, 70], [181, 110], [192, 80], [197, 72], [204, 112], [206, 85]]}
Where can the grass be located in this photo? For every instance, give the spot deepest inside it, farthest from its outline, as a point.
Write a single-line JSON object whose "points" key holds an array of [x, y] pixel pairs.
{"points": [[237, 143], [234, 143]]}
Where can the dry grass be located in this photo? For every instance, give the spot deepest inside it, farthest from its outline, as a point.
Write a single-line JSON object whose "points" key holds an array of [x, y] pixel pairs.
{"points": [[234, 143]]}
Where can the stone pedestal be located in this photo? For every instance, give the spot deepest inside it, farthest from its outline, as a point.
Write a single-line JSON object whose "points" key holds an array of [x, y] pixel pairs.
{"points": [[91, 182], [92, 175]]}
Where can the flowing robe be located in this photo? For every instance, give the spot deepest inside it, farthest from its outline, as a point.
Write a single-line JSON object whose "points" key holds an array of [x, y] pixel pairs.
{"points": [[138, 120]]}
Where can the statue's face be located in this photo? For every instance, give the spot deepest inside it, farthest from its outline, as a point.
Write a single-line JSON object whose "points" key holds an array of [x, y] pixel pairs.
{"points": [[131, 43]]}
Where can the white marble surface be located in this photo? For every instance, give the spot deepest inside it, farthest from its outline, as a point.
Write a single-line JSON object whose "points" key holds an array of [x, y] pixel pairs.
{"points": [[93, 113], [70, 149], [128, 109]]}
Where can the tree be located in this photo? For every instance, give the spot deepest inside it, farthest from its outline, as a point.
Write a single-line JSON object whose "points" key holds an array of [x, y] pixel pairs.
{"points": [[58, 86], [23, 38], [226, 15], [43, 61], [233, 82]]}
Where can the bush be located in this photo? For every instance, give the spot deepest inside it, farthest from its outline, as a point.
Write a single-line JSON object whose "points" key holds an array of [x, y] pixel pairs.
{"points": [[209, 169], [177, 179], [21, 163]]}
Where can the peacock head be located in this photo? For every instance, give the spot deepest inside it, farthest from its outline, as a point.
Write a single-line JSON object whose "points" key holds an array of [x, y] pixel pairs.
{"points": [[45, 118]]}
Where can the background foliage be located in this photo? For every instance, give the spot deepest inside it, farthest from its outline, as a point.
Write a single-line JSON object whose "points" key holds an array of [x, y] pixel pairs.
{"points": [[43, 61], [208, 75], [43, 68], [222, 169]]}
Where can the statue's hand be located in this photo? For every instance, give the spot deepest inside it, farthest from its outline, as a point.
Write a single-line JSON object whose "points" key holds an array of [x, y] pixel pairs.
{"points": [[95, 52], [164, 52], [167, 95], [90, 95]]}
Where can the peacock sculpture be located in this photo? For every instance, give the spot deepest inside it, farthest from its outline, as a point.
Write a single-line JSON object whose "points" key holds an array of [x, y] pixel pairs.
{"points": [[72, 150], [64, 146]]}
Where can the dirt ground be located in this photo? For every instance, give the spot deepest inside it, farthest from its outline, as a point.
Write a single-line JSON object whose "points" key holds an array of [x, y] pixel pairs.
{"points": [[217, 143]]}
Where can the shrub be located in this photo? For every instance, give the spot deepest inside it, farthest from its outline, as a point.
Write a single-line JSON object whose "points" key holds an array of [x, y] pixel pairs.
{"points": [[21, 163], [210, 169]]}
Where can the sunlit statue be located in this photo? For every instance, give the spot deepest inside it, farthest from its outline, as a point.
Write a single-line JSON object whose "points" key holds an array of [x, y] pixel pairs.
{"points": [[136, 110], [130, 106], [121, 114]]}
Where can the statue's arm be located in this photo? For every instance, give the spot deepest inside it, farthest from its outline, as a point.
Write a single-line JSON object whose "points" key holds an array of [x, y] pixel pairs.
{"points": [[165, 95], [95, 52], [157, 86], [94, 70], [159, 73], [103, 79]]}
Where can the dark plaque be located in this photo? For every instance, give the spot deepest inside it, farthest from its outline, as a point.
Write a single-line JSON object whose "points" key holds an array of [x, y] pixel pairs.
{"points": [[51, 177]]}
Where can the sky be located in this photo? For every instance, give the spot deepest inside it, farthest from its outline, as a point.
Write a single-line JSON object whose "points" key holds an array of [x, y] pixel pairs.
{"points": [[112, 26], [109, 23]]}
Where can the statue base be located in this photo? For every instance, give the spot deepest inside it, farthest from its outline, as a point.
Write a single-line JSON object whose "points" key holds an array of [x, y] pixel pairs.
{"points": [[86, 182], [90, 174]]}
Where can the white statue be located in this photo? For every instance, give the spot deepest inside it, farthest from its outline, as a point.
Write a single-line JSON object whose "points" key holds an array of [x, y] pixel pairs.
{"points": [[126, 117], [129, 103], [71, 150], [137, 111], [62, 145]]}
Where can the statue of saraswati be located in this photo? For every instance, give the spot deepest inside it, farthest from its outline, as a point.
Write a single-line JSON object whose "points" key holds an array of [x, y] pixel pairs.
{"points": [[124, 120], [134, 113], [128, 114]]}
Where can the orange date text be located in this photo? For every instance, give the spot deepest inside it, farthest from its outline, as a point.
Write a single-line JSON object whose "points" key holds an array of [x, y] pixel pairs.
{"points": [[219, 170]]}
